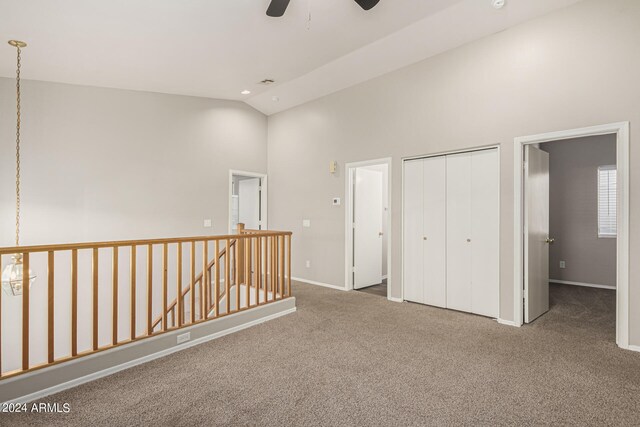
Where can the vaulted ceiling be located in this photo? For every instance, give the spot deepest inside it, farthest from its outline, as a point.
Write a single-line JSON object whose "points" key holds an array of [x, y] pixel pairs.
{"points": [[218, 48]]}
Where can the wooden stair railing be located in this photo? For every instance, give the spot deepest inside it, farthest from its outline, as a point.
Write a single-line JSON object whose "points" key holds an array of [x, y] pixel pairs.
{"points": [[115, 305], [171, 309]]}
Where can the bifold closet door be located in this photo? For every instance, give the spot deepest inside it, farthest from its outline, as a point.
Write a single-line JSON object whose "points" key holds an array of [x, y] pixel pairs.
{"points": [[459, 232], [412, 239], [434, 231], [485, 233]]}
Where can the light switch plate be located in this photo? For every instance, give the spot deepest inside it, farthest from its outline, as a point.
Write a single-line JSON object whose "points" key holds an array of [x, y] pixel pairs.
{"points": [[207, 223], [306, 223], [308, 264], [563, 264]]}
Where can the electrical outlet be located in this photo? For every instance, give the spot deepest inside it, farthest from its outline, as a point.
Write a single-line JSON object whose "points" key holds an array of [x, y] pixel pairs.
{"points": [[306, 223], [184, 337], [563, 264], [207, 223], [308, 264]]}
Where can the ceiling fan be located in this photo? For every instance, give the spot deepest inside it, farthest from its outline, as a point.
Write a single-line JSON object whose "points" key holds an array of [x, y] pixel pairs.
{"points": [[278, 7]]}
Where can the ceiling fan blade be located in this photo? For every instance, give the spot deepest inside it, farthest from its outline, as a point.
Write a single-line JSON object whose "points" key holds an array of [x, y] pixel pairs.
{"points": [[277, 8], [367, 4]]}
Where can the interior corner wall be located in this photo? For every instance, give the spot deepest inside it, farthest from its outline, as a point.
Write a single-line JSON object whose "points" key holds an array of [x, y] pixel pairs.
{"points": [[573, 68], [573, 210], [107, 164]]}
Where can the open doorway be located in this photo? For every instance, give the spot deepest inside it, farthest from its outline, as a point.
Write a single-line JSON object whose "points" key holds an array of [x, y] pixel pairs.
{"points": [[247, 200], [572, 230], [368, 223]]}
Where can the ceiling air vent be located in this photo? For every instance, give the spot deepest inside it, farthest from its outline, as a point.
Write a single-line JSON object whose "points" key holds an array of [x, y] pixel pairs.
{"points": [[267, 82]]}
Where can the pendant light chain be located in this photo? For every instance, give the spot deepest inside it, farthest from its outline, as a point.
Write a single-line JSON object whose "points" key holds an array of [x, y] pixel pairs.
{"points": [[18, 151]]}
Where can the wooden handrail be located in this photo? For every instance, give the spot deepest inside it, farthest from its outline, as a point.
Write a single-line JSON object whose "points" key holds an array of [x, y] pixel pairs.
{"points": [[186, 290], [124, 243]]}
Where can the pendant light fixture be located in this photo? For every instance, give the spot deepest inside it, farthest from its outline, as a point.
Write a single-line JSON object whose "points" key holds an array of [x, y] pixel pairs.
{"points": [[13, 274]]}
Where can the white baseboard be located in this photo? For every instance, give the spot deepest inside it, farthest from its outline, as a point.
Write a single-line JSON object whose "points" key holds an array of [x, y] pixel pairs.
{"points": [[634, 348], [395, 299], [112, 370], [384, 277], [506, 322], [586, 285], [313, 282]]}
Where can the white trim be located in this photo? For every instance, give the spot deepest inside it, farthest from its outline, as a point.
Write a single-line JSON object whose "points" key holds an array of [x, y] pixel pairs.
{"points": [[264, 192], [313, 282], [634, 347], [348, 234], [384, 277], [621, 130], [586, 285], [440, 154], [393, 299], [506, 322], [109, 371]]}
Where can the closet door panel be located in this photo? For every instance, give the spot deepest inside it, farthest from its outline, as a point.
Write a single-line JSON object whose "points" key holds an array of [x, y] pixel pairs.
{"points": [[459, 232], [412, 242], [485, 226], [434, 226]]}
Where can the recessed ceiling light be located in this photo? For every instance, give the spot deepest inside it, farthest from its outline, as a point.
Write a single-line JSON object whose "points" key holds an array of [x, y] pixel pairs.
{"points": [[498, 4], [245, 92]]}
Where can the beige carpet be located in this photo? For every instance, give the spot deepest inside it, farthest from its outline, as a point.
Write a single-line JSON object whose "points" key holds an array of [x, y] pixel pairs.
{"points": [[357, 359]]}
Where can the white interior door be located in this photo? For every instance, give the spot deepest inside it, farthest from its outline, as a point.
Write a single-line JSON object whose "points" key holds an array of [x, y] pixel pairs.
{"points": [[249, 203], [413, 244], [434, 236], [459, 232], [485, 233], [536, 234], [367, 235]]}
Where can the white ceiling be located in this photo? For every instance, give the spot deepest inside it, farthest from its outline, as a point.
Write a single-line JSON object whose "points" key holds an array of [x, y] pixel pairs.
{"points": [[217, 48]]}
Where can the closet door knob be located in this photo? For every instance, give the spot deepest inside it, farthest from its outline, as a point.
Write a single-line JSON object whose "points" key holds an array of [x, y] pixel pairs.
{"points": [[424, 237], [468, 240]]}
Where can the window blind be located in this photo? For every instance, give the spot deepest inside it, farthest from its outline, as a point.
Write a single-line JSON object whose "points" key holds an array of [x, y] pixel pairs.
{"points": [[607, 223]]}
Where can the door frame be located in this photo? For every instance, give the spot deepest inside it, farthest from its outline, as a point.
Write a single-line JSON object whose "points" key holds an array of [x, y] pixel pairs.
{"points": [[348, 227], [447, 153], [621, 130], [263, 197]]}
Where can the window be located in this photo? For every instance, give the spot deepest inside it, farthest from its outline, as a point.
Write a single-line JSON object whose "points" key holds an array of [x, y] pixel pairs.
{"points": [[607, 224]]}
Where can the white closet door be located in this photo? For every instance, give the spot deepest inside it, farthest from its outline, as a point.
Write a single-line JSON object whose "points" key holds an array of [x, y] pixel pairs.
{"points": [[459, 231], [434, 234], [412, 242], [485, 232]]}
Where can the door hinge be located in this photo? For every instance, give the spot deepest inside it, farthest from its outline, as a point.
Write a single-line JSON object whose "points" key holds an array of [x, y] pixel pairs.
{"points": [[353, 269]]}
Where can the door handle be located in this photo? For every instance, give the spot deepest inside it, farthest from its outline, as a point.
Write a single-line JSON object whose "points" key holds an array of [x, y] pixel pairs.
{"points": [[550, 240], [380, 234]]}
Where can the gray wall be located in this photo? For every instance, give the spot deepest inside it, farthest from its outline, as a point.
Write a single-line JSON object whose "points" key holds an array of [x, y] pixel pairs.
{"points": [[573, 210], [573, 68], [105, 164]]}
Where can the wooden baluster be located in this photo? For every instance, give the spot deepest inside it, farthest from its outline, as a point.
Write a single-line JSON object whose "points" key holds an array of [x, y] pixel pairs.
{"points": [[165, 255], [25, 311], [281, 269], [264, 253], [74, 302], [274, 268], [227, 276], [247, 270], [238, 271], [132, 291], [289, 265], [192, 285], [149, 289], [179, 308], [94, 272], [114, 269], [50, 307], [256, 267], [216, 287], [206, 282]]}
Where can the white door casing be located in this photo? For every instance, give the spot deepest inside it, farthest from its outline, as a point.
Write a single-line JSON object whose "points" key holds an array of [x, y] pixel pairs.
{"points": [[249, 203], [536, 233], [367, 213]]}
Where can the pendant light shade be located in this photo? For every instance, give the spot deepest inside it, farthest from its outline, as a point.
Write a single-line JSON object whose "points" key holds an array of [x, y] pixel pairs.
{"points": [[13, 276]]}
